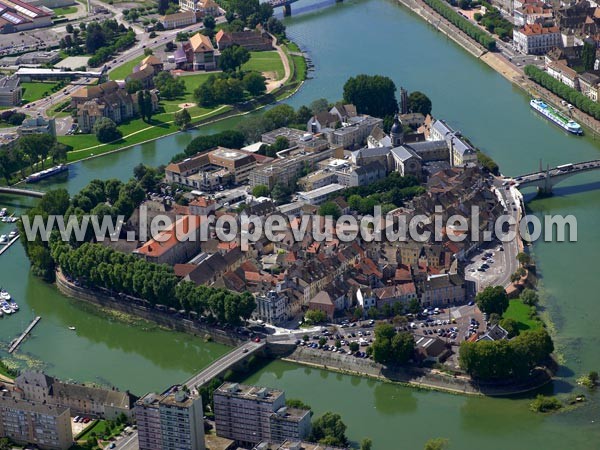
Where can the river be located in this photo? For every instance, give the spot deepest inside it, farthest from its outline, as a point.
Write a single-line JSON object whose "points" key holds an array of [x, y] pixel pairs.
{"points": [[362, 36]]}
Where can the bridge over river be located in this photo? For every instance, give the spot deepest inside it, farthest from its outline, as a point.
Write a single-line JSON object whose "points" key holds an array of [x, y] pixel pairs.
{"points": [[22, 192], [287, 5], [545, 180]]}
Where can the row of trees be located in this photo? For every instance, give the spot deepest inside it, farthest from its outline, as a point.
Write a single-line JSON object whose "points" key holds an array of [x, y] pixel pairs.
{"points": [[494, 22], [227, 89], [101, 266], [571, 95], [250, 13], [490, 360], [471, 30], [170, 87], [392, 347], [227, 139]]}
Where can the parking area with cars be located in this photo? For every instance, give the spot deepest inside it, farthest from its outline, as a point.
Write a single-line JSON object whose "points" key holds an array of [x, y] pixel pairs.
{"points": [[80, 423], [487, 265]]}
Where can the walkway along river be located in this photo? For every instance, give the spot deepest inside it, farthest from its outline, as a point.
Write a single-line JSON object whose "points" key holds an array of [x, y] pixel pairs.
{"points": [[373, 36]]}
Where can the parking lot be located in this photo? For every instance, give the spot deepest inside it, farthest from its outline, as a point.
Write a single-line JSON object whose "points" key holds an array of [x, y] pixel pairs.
{"points": [[487, 266], [454, 325]]}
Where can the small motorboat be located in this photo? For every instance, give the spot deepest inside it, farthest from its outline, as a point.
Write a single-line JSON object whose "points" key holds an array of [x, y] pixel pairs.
{"points": [[12, 234], [3, 212], [72, 328], [3, 239], [6, 308], [13, 306], [4, 296]]}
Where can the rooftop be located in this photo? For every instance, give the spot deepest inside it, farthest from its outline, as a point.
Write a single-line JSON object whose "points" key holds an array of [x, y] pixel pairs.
{"points": [[249, 392]]}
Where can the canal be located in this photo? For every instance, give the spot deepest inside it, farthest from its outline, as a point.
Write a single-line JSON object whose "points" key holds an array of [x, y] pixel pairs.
{"points": [[362, 36]]}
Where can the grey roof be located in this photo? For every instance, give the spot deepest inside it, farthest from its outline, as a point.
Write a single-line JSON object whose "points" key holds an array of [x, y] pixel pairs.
{"points": [[424, 146], [404, 153], [371, 167], [33, 407], [452, 137], [370, 152]]}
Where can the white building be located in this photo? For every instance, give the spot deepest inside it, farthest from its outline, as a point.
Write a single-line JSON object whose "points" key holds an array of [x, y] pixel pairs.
{"points": [[272, 308], [534, 39], [320, 195]]}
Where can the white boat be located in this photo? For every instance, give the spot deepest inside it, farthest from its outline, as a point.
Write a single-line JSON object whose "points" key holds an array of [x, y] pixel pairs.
{"points": [[6, 309], [13, 306], [3, 212], [12, 234], [4, 296], [72, 328], [3, 239]]}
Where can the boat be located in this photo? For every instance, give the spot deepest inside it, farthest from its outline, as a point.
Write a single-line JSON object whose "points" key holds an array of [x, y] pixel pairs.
{"points": [[13, 306], [556, 117], [4, 296], [72, 328], [6, 308], [3, 212], [3, 239], [35, 177], [12, 234]]}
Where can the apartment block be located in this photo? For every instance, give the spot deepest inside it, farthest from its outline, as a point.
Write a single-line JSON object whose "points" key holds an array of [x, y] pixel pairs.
{"points": [[25, 422], [171, 421], [251, 414]]}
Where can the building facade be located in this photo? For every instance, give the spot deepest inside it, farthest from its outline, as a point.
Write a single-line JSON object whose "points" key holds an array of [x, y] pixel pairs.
{"points": [[535, 39]]}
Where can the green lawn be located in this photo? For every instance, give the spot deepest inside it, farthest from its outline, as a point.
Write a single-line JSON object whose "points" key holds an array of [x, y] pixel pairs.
{"points": [[65, 10], [265, 62], [519, 311], [121, 72], [34, 91]]}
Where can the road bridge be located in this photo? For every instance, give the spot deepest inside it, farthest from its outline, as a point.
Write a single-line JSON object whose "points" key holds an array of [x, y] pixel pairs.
{"points": [[23, 192], [287, 5], [232, 359], [545, 180]]}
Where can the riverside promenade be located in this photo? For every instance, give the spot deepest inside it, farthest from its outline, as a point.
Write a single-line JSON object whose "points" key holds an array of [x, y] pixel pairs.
{"points": [[498, 62]]}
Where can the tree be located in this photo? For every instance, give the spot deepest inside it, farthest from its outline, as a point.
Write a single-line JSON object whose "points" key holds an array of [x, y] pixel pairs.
{"points": [[296, 403], [170, 46], [255, 83], [182, 119], [141, 103], [303, 114], [353, 346], [319, 105], [492, 299], [529, 297], [419, 103], [106, 130], [148, 52], [209, 22], [169, 86], [315, 316], [280, 116], [372, 94], [330, 209], [322, 342], [511, 326], [133, 86], [414, 306], [524, 259], [403, 347], [436, 444], [366, 444], [232, 58], [329, 429], [260, 191], [588, 55]]}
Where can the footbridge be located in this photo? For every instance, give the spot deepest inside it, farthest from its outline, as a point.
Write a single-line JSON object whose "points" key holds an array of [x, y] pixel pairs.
{"points": [[23, 192], [545, 180], [234, 358]]}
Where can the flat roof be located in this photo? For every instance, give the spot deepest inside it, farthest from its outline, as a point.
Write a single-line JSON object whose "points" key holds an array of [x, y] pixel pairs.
{"points": [[330, 188]]}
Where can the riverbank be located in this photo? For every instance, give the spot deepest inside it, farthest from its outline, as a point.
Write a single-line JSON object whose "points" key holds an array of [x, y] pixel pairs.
{"points": [[497, 62], [161, 318], [420, 378]]}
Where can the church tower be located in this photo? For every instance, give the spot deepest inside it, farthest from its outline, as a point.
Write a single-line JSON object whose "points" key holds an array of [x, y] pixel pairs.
{"points": [[397, 132]]}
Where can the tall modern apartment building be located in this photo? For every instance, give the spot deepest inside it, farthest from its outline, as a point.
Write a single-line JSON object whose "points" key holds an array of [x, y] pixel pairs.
{"points": [[26, 422], [251, 414], [170, 421]]}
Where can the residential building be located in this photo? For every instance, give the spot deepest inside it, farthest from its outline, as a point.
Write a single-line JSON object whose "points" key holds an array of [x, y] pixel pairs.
{"points": [[563, 73], [85, 400], [588, 83], [201, 7], [390, 295], [171, 421], [295, 445], [37, 125], [202, 206], [443, 290], [251, 40], [536, 39], [534, 12], [323, 302], [431, 349], [200, 53], [293, 135], [251, 414], [354, 132], [10, 91], [272, 307], [17, 16], [178, 20], [322, 120], [177, 244], [144, 74], [33, 423]]}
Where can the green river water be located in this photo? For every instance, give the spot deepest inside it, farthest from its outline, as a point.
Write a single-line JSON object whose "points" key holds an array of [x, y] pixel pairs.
{"points": [[362, 36]]}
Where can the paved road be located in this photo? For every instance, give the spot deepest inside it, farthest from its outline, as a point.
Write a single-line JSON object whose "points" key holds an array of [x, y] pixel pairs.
{"points": [[128, 443]]}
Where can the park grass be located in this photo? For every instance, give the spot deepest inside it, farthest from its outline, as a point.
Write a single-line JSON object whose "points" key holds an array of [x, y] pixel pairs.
{"points": [[520, 312], [35, 91], [121, 72], [65, 10], [265, 62]]}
